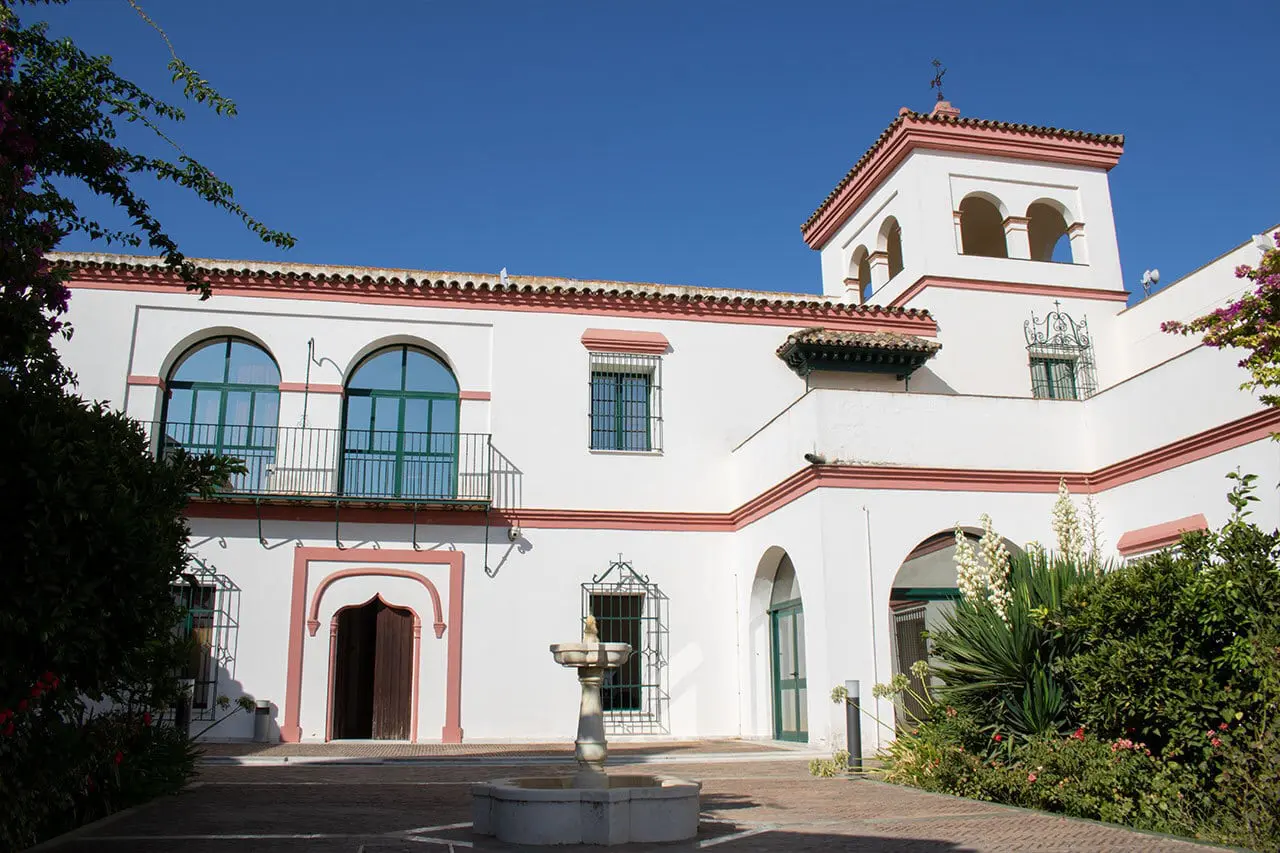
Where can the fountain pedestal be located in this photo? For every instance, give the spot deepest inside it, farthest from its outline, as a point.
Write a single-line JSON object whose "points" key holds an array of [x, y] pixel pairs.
{"points": [[589, 807]]}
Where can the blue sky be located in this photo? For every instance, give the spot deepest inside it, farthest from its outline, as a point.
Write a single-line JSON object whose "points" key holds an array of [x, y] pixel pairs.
{"points": [[678, 142]]}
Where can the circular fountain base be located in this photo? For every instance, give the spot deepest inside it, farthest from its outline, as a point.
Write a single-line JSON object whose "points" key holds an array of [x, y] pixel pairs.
{"points": [[548, 810]]}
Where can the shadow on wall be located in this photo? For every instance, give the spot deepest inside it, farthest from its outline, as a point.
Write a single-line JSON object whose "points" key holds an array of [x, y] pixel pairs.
{"points": [[214, 723], [507, 480], [925, 381]]}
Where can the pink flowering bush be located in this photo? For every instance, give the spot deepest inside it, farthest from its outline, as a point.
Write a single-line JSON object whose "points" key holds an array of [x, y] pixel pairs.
{"points": [[1251, 323]]}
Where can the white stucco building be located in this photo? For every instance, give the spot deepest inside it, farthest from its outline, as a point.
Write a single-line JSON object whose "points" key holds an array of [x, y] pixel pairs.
{"points": [[447, 471]]}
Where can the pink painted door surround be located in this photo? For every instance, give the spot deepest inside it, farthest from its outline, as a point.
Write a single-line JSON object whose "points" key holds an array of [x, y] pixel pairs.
{"points": [[386, 563]]}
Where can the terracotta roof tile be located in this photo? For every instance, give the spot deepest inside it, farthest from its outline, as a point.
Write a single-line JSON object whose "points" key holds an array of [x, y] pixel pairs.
{"points": [[516, 284], [862, 340], [957, 121]]}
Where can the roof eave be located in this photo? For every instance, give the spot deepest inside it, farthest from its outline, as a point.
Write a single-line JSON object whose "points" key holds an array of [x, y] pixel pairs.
{"points": [[913, 131]]}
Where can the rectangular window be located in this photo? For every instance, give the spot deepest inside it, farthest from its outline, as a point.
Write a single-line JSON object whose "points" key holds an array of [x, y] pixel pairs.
{"points": [[1054, 378], [199, 602], [625, 402], [618, 620]]}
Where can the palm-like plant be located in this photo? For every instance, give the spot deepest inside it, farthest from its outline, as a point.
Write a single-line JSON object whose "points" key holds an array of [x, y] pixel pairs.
{"points": [[1008, 670]]}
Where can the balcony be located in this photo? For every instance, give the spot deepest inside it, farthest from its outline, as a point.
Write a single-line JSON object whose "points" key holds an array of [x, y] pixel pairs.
{"points": [[356, 466]]}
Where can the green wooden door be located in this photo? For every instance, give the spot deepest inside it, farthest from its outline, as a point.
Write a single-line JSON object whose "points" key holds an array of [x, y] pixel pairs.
{"points": [[790, 694]]}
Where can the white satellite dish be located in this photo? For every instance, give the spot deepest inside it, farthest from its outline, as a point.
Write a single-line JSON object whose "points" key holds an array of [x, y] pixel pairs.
{"points": [[1150, 279], [1263, 242], [502, 275]]}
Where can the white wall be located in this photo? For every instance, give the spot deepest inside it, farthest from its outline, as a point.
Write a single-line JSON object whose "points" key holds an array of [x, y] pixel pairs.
{"points": [[1212, 286], [533, 364], [927, 188]]}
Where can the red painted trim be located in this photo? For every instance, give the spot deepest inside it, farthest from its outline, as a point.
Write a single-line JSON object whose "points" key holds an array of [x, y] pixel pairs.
{"points": [[333, 678], [414, 678], [291, 731], [313, 388], [154, 381], [709, 308], [915, 133], [313, 620], [1159, 535], [928, 281], [1202, 445], [474, 395], [620, 340]]}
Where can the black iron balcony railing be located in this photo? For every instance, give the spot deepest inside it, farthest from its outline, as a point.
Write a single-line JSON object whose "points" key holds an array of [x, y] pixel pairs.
{"points": [[356, 464]]}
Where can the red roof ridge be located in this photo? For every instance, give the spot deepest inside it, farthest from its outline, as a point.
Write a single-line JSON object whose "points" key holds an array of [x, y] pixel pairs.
{"points": [[949, 118]]}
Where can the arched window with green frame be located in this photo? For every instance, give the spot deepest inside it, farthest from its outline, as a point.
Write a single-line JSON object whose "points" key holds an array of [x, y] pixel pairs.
{"points": [[223, 397], [400, 427]]}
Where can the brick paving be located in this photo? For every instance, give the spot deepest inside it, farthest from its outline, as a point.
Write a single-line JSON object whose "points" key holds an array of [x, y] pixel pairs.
{"points": [[749, 805], [375, 749]]}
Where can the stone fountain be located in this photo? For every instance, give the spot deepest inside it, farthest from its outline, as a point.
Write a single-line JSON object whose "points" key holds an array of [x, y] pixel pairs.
{"points": [[590, 806]]}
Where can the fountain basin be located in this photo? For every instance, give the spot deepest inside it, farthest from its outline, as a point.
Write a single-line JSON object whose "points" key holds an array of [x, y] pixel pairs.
{"points": [[607, 655], [547, 810]]}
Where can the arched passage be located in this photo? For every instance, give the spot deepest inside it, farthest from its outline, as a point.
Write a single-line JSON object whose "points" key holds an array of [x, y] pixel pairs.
{"points": [[890, 243], [923, 592], [787, 668], [860, 272], [982, 227], [1047, 232]]}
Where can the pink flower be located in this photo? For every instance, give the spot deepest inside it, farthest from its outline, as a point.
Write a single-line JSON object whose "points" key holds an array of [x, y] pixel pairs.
{"points": [[997, 737], [119, 757], [1222, 727], [1031, 777], [1216, 742], [1078, 734]]}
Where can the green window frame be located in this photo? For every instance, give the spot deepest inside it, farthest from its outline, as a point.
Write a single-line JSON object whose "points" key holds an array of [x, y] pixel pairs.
{"points": [[383, 455], [619, 618], [1054, 378], [225, 416], [620, 411]]}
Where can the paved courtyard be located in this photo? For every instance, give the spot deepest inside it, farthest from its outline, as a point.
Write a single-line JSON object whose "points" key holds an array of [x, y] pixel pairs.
{"points": [[337, 800]]}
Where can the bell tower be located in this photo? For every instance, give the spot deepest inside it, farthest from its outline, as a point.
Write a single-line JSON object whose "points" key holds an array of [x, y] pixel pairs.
{"points": [[987, 225], [939, 196]]}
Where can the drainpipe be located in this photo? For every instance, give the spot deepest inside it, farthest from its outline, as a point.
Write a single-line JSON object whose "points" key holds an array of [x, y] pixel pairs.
{"points": [[875, 652]]}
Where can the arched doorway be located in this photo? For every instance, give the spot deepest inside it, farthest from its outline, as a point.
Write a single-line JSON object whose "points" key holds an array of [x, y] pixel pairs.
{"points": [[222, 396], [923, 592], [786, 638], [400, 426], [373, 672]]}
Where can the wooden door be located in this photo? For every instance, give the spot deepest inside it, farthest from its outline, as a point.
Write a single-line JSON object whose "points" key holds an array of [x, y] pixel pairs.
{"points": [[353, 675], [393, 674]]}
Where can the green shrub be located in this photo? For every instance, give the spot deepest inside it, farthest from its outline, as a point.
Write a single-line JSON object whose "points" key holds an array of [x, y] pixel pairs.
{"points": [[1079, 775], [1179, 643], [94, 539], [1168, 669]]}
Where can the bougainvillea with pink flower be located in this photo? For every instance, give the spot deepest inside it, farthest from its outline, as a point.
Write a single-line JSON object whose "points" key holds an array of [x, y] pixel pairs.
{"points": [[1251, 323]]}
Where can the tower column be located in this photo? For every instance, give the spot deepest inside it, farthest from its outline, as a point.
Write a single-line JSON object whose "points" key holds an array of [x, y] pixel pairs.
{"points": [[879, 262], [1015, 237], [1079, 248]]}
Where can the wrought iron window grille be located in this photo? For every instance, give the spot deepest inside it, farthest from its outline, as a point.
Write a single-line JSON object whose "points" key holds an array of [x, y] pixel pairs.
{"points": [[1060, 354], [210, 603], [630, 608], [625, 411]]}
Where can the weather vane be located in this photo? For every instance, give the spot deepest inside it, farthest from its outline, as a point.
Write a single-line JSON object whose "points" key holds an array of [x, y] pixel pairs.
{"points": [[936, 82]]}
